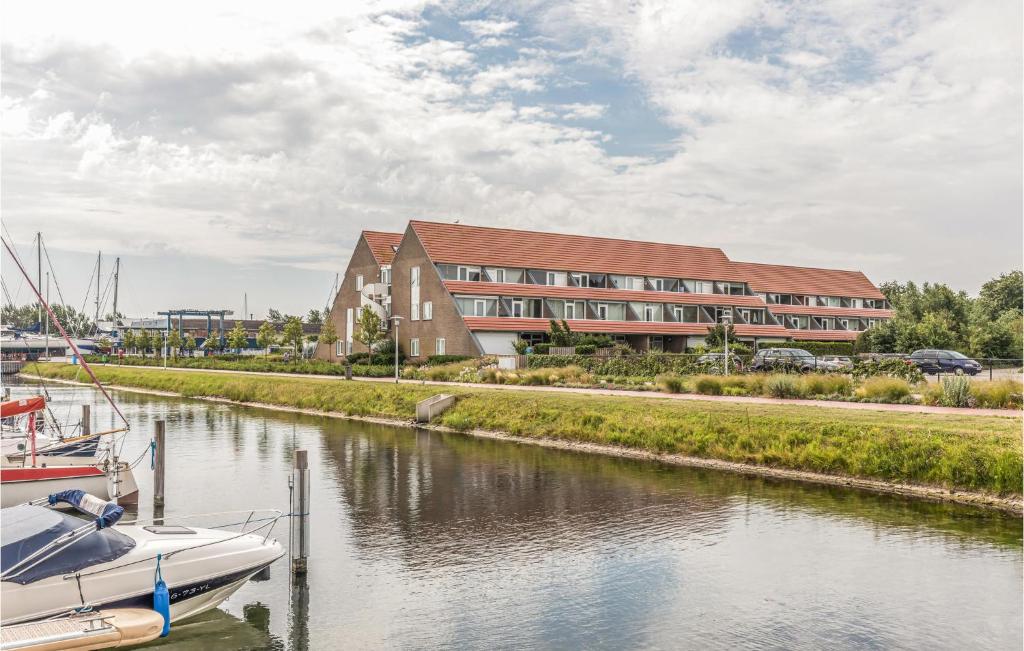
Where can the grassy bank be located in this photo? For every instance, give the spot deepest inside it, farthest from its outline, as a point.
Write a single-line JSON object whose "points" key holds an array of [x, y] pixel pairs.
{"points": [[957, 452]]}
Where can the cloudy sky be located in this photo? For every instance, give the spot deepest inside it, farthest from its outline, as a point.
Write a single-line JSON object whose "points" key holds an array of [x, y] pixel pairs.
{"points": [[224, 148]]}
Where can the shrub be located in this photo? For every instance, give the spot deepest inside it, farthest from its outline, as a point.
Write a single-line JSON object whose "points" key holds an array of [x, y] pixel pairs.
{"points": [[816, 384], [446, 359], [783, 386], [670, 383], [708, 385], [883, 389], [541, 349], [956, 392], [1001, 394], [586, 349], [893, 367]]}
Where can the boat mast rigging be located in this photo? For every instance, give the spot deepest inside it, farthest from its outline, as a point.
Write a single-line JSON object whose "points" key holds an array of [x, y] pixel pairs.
{"points": [[56, 322]]}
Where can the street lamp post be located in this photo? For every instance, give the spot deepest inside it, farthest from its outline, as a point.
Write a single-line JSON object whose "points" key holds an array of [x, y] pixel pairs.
{"points": [[726, 320], [396, 320]]}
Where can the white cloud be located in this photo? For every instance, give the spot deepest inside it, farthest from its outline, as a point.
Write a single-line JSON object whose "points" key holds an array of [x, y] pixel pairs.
{"points": [[840, 134]]}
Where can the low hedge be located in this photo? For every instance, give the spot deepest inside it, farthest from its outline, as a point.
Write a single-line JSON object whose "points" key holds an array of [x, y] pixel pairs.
{"points": [[816, 348], [625, 365], [436, 360], [253, 365]]}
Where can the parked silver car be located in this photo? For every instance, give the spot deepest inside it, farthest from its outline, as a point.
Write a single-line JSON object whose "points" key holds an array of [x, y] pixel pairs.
{"points": [[837, 363]]}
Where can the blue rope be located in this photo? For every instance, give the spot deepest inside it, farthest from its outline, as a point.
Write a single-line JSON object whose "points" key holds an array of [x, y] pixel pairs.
{"points": [[152, 454]]}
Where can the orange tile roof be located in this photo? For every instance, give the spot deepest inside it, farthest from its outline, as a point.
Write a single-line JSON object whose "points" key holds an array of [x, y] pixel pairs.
{"points": [[831, 311], [597, 293], [784, 279], [823, 335], [381, 245], [509, 324], [480, 245]]}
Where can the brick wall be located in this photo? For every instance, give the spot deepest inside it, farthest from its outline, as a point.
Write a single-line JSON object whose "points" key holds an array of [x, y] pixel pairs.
{"points": [[446, 321], [362, 263]]}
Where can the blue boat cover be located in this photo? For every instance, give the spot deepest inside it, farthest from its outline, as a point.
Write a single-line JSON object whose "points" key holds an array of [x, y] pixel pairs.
{"points": [[107, 513], [25, 529]]}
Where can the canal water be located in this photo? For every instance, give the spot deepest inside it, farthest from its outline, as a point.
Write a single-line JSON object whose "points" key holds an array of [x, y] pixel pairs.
{"points": [[428, 540]]}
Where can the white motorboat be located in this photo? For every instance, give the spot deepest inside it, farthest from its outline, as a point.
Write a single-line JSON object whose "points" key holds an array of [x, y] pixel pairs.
{"points": [[53, 562]]}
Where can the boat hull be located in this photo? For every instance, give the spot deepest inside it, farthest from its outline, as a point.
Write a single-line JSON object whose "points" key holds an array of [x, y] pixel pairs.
{"points": [[198, 579], [21, 485]]}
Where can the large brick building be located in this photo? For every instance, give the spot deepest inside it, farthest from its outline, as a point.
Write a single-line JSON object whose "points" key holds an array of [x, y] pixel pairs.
{"points": [[471, 290]]}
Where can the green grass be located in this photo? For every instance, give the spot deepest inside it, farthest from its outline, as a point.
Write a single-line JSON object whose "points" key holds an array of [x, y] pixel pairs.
{"points": [[965, 452]]}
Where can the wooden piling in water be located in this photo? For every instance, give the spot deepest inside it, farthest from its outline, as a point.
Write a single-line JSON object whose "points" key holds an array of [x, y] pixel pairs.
{"points": [[299, 521], [158, 463], [86, 420]]}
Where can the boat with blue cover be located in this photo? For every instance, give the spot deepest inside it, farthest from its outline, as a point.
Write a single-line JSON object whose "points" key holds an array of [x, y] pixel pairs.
{"points": [[53, 563]]}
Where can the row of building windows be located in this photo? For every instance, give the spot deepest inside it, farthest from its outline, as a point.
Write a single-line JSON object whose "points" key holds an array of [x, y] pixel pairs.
{"points": [[643, 283], [554, 308], [824, 301], [589, 280]]}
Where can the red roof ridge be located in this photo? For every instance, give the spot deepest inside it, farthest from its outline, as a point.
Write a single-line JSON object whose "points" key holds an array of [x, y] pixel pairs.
{"points": [[801, 267], [589, 237]]}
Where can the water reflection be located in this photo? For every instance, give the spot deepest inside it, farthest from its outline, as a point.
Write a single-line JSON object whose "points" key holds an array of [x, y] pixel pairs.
{"points": [[432, 540]]}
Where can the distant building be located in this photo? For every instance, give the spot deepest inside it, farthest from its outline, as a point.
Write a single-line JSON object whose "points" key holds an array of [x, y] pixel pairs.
{"points": [[473, 290]]}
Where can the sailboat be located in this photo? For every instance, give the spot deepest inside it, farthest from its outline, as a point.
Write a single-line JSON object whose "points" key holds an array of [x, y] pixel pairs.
{"points": [[23, 437], [105, 477]]}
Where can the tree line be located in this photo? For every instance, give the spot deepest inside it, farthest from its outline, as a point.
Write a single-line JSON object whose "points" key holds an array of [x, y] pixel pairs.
{"points": [[932, 315]]}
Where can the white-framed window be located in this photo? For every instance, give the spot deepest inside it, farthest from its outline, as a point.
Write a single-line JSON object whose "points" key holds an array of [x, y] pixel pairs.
{"points": [[349, 328], [414, 294], [439, 346], [658, 284], [469, 273], [583, 280], [414, 347], [385, 275], [479, 307], [339, 349], [677, 313], [517, 307], [499, 277], [844, 324], [428, 310], [359, 283], [704, 287], [649, 312], [570, 310], [602, 311], [635, 282]]}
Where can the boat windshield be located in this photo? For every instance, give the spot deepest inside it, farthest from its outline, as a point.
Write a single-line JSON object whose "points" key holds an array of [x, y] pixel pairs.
{"points": [[26, 529]]}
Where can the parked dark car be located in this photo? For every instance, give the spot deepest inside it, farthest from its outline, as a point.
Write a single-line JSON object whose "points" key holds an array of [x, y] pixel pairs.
{"points": [[717, 361], [779, 359], [944, 361]]}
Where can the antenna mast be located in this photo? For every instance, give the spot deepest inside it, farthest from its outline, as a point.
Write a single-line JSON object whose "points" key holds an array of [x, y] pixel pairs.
{"points": [[39, 277]]}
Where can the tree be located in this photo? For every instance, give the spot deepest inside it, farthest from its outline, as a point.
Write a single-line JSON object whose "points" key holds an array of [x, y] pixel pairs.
{"points": [[314, 317], [368, 328], [104, 344], [189, 344], [266, 336], [128, 340], [328, 334], [560, 334], [157, 342], [292, 334], [275, 317], [142, 341], [174, 342], [237, 338], [212, 341], [716, 335]]}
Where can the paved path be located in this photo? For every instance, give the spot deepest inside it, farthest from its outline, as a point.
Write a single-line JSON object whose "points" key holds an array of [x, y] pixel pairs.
{"points": [[749, 400]]}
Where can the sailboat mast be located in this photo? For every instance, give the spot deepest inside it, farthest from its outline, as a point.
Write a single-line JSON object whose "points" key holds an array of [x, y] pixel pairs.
{"points": [[117, 272], [39, 276], [99, 262]]}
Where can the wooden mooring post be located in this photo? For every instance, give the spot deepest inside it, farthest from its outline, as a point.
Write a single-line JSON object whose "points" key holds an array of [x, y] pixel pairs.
{"points": [[298, 546], [159, 455], [86, 420]]}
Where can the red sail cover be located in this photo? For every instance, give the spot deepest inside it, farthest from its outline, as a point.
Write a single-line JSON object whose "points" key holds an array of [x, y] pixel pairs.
{"points": [[22, 406]]}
